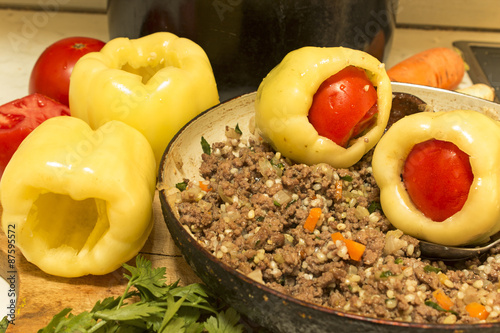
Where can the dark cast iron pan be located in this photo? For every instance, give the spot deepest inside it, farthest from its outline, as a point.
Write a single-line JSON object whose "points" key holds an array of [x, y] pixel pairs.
{"points": [[266, 307]]}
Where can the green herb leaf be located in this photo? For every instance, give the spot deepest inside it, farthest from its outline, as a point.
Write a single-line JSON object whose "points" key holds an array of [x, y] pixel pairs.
{"points": [[56, 320], [374, 206], [131, 311], [177, 324], [386, 274], [438, 307], [431, 269], [225, 322], [60, 323], [149, 281], [291, 203], [161, 308], [107, 303], [181, 186], [347, 178], [398, 261], [4, 323], [275, 162], [191, 319], [237, 129], [195, 293], [172, 308], [205, 146]]}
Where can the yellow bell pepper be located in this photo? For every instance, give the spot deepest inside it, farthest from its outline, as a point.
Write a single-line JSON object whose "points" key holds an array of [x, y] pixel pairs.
{"points": [[285, 96], [476, 135], [155, 84], [79, 201]]}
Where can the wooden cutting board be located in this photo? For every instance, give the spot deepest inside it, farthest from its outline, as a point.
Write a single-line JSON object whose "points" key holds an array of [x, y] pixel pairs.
{"points": [[41, 296]]}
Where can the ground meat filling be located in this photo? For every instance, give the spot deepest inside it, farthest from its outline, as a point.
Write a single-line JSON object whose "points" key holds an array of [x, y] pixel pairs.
{"points": [[250, 213]]}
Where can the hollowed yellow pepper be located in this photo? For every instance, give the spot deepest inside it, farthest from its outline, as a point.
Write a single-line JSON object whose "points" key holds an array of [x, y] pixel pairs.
{"points": [[79, 201], [285, 96], [476, 135], [155, 84]]}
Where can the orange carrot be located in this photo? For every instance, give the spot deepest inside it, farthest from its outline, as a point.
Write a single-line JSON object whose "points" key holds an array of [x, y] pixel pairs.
{"points": [[439, 67], [354, 249], [442, 299], [312, 219], [477, 310], [204, 186], [337, 236]]}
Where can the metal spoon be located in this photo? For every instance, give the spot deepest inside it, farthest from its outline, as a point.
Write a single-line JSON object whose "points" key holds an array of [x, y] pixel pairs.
{"points": [[442, 252]]}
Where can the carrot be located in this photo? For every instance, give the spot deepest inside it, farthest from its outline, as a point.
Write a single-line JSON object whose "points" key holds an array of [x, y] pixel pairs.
{"points": [[354, 249], [442, 299], [312, 219], [337, 236], [205, 186], [439, 67], [477, 310]]}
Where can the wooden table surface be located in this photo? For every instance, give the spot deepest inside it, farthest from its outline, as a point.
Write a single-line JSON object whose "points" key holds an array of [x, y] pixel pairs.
{"points": [[41, 296]]}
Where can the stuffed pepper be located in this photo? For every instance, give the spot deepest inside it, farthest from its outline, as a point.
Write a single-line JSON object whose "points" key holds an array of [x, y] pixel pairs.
{"points": [[324, 105], [439, 177]]}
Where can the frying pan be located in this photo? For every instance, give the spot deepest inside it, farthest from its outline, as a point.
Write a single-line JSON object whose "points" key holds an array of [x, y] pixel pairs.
{"points": [[266, 307]]}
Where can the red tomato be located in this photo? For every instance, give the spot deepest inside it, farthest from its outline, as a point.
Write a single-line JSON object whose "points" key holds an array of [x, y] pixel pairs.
{"points": [[344, 105], [19, 117], [51, 73], [438, 177]]}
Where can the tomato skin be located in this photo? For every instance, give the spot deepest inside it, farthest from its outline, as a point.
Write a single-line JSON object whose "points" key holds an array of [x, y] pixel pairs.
{"points": [[343, 105], [20, 117], [51, 73], [438, 177]]}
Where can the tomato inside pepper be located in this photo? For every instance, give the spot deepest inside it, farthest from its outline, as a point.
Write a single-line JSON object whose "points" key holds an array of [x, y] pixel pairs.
{"points": [[344, 105], [438, 177]]}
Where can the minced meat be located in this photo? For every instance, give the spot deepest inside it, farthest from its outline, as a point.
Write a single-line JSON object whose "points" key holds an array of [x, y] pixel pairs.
{"points": [[252, 218]]}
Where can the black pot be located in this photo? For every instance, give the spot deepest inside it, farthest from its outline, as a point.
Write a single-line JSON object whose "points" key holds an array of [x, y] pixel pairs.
{"points": [[245, 39]]}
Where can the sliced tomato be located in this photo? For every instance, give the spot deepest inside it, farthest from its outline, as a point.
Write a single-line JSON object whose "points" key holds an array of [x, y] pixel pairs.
{"points": [[438, 177], [19, 117], [344, 105]]}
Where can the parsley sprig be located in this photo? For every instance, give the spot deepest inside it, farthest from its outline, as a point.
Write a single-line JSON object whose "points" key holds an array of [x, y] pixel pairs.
{"points": [[160, 307], [4, 323]]}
